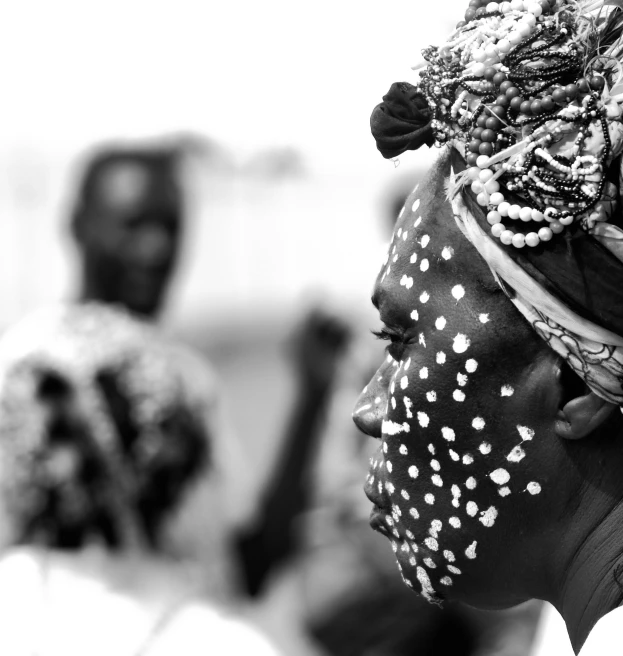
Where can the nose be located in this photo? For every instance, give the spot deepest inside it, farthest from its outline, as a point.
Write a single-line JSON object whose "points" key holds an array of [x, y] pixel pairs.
{"points": [[153, 246], [371, 406]]}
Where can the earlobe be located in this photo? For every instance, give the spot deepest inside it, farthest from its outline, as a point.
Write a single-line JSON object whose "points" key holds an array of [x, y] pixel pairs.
{"points": [[582, 415]]}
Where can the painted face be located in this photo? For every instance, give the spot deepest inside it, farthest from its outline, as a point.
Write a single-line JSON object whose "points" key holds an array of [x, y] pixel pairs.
{"points": [[132, 238], [463, 406]]}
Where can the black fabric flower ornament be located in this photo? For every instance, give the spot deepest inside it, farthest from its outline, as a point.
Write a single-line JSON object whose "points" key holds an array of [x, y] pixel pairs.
{"points": [[402, 121]]}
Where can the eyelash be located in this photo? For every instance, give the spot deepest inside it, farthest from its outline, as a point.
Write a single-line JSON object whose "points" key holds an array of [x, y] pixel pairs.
{"points": [[397, 346]]}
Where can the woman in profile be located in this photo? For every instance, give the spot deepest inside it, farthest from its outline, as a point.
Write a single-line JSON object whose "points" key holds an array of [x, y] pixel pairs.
{"points": [[104, 437]]}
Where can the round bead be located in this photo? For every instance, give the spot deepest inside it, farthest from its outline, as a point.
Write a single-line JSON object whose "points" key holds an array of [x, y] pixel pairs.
{"points": [[494, 217], [560, 96], [486, 149], [564, 220], [490, 72], [479, 55], [492, 187], [519, 240], [481, 11], [493, 6], [481, 121], [535, 9], [474, 146], [499, 76], [514, 211], [477, 133], [537, 216], [583, 85], [507, 237], [517, 5], [485, 175], [505, 86], [524, 29], [572, 90], [536, 107], [503, 208], [505, 7], [504, 46], [597, 83], [482, 199], [512, 91], [488, 135], [470, 14], [516, 103], [491, 50], [556, 227], [529, 19], [532, 239], [482, 162], [497, 230], [496, 199], [514, 38], [474, 173], [498, 110], [477, 187], [526, 107], [478, 69], [501, 101], [525, 213], [494, 123], [545, 234], [547, 103], [471, 159]]}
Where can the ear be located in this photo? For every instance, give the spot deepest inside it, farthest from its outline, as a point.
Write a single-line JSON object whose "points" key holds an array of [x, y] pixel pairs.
{"points": [[582, 415]]}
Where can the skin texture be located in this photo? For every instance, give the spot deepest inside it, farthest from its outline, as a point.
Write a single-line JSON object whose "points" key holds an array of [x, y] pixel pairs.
{"points": [[481, 499], [128, 231]]}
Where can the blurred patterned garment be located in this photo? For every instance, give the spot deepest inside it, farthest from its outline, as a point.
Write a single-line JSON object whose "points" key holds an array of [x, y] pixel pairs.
{"points": [[108, 438]]}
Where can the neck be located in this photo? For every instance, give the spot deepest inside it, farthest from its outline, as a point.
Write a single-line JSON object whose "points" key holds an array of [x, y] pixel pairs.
{"points": [[593, 579]]}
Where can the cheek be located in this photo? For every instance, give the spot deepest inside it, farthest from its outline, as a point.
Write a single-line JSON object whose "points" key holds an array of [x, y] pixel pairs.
{"points": [[455, 450]]}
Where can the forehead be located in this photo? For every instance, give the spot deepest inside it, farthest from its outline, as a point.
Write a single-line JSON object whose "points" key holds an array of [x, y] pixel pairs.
{"points": [[129, 188], [430, 267]]}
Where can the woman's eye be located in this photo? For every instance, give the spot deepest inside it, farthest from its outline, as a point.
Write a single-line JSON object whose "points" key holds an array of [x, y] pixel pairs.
{"points": [[396, 347]]}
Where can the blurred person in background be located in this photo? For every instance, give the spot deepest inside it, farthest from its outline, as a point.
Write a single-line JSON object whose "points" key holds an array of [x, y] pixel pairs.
{"points": [[127, 222], [105, 437]]}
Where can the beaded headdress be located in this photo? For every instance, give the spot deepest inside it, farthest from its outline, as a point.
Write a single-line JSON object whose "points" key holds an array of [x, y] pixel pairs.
{"points": [[529, 96]]}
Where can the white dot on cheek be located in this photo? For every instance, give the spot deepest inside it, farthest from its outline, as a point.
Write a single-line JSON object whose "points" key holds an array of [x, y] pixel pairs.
{"points": [[414, 315], [403, 450], [413, 471], [470, 483], [424, 297], [534, 488], [404, 382], [461, 343], [429, 498], [431, 396], [458, 292], [389, 466], [471, 508], [440, 323], [413, 258], [424, 373], [416, 204], [448, 434], [447, 252], [423, 419], [471, 365], [507, 390], [425, 241], [441, 357], [459, 396], [484, 318], [478, 423], [500, 476], [424, 265], [455, 522], [414, 513]]}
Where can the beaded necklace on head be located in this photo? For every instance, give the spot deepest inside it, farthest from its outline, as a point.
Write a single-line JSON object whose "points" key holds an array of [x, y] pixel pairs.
{"points": [[528, 92]]}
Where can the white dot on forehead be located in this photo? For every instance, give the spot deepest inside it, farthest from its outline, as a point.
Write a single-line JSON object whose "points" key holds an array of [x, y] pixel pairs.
{"points": [[424, 297], [507, 390], [471, 365], [533, 488], [431, 543], [488, 517], [454, 455], [461, 343], [405, 495], [470, 552], [453, 569], [437, 480], [413, 258], [414, 315], [447, 252], [485, 448], [416, 204], [458, 292], [478, 423], [417, 222], [516, 454], [504, 491], [461, 379], [431, 449], [431, 396], [467, 459], [448, 434], [470, 483], [414, 513], [455, 522], [424, 265], [440, 323], [430, 563], [471, 508], [406, 281], [430, 499], [457, 395], [483, 318], [425, 241], [423, 419], [435, 465], [441, 357], [424, 372], [389, 466], [403, 450], [500, 476], [413, 471]]}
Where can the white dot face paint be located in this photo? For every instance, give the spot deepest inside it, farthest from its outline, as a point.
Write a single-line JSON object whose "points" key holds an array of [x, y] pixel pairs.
{"points": [[500, 476], [423, 419], [440, 323], [406, 281], [424, 265], [483, 318], [478, 423], [416, 205], [431, 396], [447, 252], [424, 373], [458, 292], [471, 365], [448, 434], [458, 395], [534, 488], [424, 296], [525, 432], [425, 241], [440, 358], [461, 343], [414, 315], [430, 499], [507, 390], [413, 258]]}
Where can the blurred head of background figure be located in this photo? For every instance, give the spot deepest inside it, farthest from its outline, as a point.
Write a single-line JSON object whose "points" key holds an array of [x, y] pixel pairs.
{"points": [[127, 220], [102, 430]]}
